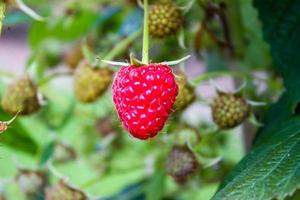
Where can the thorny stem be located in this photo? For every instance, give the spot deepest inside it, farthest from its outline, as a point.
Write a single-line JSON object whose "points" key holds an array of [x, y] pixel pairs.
{"points": [[146, 34], [2, 14]]}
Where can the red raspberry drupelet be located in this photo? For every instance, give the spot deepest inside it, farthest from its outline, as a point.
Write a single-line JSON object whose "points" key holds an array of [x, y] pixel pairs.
{"points": [[144, 97]]}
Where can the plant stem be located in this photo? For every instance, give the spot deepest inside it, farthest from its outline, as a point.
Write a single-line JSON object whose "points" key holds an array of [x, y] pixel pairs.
{"points": [[52, 76], [146, 34], [209, 75], [2, 14], [122, 46]]}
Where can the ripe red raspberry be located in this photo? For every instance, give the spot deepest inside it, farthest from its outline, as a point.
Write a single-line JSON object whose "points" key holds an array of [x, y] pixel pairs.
{"points": [[144, 97]]}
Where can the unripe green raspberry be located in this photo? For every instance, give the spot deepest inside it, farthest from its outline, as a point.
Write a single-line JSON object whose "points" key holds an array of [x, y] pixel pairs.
{"points": [[73, 57], [229, 110], [186, 94], [90, 83], [165, 19], [21, 96], [62, 191], [181, 163]]}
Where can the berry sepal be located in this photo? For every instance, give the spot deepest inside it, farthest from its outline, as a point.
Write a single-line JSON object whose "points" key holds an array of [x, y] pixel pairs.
{"points": [[5, 124], [137, 62]]}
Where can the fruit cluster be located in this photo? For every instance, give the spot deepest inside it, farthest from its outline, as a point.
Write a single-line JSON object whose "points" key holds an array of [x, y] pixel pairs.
{"points": [[91, 82], [164, 20], [181, 163], [229, 110], [21, 97], [144, 97], [186, 94]]}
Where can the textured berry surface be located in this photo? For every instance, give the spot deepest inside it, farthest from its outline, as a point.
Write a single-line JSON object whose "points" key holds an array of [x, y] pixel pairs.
{"points": [[181, 163], [186, 94], [21, 96], [164, 20], [229, 110], [144, 97], [90, 83]]}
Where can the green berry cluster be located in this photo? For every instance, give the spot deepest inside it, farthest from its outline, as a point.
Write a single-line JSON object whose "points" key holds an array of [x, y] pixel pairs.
{"points": [[229, 110], [73, 57], [90, 83], [186, 94], [164, 20], [21, 96], [181, 163]]}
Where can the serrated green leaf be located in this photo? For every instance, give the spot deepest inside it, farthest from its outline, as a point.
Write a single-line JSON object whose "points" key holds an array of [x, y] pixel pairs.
{"points": [[271, 170]]}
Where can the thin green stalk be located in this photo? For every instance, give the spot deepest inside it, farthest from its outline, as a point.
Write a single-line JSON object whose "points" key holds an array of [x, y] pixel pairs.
{"points": [[122, 46], [208, 75], [146, 33], [2, 14], [52, 76]]}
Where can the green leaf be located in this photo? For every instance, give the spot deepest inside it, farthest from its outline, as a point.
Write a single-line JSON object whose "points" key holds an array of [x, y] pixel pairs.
{"points": [[64, 28], [271, 170], [280, 27], [295, 196], [131, 191], [155, 187], [47, 153], [17, 136]]}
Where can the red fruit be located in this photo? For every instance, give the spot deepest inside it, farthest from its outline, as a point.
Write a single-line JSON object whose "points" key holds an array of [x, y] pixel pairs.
{"points": [[144, 97]]}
